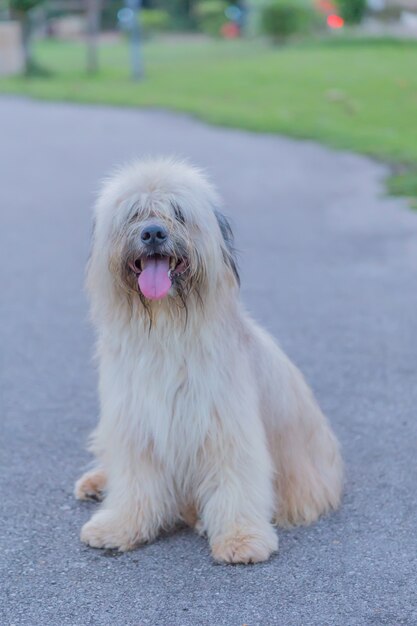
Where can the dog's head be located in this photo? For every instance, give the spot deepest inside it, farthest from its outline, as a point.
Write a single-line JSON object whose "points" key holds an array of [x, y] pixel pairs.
{"points": [[160, 234]]}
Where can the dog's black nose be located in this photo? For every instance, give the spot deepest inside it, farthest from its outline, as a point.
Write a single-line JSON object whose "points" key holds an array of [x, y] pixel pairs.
{"points": [[154, 233]]}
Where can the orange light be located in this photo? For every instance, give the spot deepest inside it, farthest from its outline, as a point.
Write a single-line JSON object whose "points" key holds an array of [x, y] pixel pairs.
{"points": [[335, 21], [230, 30]]}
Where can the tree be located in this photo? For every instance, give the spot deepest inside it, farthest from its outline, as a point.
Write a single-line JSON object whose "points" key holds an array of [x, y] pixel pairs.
{"points": [[20, 9], [352, 10]]}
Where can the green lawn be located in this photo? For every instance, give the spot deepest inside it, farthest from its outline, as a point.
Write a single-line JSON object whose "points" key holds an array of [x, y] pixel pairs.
{"points": [[360, 96]]}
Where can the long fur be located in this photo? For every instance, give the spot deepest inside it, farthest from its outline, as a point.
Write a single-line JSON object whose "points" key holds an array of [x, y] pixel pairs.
{"points": [[203, 417]]}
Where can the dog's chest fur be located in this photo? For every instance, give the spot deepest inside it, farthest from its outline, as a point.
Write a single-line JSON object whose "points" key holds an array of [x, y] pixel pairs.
{"points": [[174, 389]]}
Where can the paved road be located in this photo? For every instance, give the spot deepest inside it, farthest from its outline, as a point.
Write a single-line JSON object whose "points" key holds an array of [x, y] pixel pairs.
{"points": [[342, 262]]}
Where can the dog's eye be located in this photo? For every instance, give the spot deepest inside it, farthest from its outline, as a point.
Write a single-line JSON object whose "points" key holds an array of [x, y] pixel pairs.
{"points": [[178, 214]]}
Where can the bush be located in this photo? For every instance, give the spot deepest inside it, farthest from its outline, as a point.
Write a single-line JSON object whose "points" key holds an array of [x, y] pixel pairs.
{"points": [[180, 13], [352, 11], [210, 15], [153, 21], [284, 18]]}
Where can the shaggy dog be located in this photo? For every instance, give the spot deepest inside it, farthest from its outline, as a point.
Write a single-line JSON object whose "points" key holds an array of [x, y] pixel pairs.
{"points": [[203, 418]]}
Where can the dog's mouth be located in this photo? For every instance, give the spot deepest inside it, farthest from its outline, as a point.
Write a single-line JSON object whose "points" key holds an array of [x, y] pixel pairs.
{"points": [[155, 274]]}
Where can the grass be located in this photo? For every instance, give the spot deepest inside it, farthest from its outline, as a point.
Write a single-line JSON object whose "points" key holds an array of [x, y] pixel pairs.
{"points": [[358, 95], [404, 185]]}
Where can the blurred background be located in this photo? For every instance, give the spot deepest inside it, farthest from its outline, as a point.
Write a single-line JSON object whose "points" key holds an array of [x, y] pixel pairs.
{"points": [[328, 261], [339, 71]]}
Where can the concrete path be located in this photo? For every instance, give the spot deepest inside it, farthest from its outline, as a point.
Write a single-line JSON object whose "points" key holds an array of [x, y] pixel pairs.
{"points": [[329, 265]]}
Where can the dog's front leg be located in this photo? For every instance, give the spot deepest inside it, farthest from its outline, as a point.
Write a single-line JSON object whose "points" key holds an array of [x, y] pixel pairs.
{"points": [[138, 503], [237, 494]]}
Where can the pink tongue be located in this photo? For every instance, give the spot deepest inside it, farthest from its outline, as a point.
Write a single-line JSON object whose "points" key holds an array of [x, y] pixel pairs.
{"points": [[153, 280]]}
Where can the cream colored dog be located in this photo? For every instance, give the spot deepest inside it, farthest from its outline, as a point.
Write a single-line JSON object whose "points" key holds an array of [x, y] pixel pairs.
{"points": [[203, 417]]}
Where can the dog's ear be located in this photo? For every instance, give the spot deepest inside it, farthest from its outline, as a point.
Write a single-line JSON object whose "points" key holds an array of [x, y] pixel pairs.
{"points": [[229, 251]]}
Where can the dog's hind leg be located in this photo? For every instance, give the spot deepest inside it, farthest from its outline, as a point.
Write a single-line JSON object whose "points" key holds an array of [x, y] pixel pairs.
{"points": [[308, 464], [189, 515], [91, 485]]}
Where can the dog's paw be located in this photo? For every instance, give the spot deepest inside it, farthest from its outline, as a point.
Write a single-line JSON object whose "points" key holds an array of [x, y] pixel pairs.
{"points": [[91, 485], [303, 514], [106, 530], [245, 545]]}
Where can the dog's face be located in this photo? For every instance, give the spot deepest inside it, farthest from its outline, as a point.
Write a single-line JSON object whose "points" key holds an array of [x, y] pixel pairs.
{"points": [[156, 252], [165, 238]]}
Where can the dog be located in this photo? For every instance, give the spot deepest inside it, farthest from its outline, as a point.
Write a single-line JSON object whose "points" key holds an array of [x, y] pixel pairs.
{"points": [[203, 417]]}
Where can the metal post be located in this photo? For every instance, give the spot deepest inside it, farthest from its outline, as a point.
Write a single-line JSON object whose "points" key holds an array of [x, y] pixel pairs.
{"points": [[135, 40]]}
